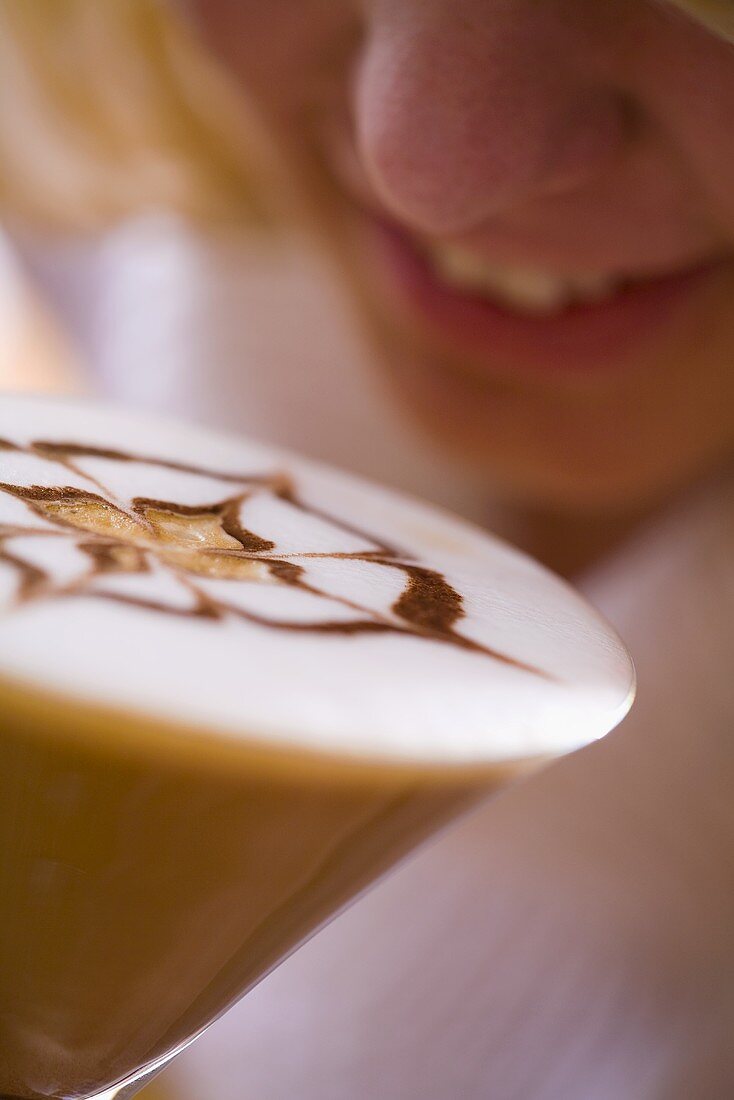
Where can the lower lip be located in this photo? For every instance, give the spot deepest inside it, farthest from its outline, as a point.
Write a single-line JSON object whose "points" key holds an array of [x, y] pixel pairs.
{"points": [[583, 338]]}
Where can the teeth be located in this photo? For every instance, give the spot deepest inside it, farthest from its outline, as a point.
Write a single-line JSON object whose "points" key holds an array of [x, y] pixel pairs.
{"points": [[523, 289]]}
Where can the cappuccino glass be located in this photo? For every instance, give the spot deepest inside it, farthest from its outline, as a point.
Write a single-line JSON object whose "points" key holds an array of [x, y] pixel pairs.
{"points": [[235, 688]]}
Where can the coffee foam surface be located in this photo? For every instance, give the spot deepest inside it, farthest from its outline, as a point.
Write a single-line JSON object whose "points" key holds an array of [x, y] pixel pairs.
{"points": [[218, 583]]}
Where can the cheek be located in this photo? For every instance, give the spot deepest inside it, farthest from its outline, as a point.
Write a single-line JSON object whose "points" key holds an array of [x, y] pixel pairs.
{"points": [[687, 86]]}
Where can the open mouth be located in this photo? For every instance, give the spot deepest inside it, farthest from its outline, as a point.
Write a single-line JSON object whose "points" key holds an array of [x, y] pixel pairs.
{"points": [[504, 316], [525, 290]]}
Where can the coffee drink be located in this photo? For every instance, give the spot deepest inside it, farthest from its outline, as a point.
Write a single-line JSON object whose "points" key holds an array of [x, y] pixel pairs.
{"points": [[236, 686]]}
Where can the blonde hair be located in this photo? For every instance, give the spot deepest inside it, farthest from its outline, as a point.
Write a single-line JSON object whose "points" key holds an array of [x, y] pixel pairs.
{"points": [[107, 106], [110, 105]]}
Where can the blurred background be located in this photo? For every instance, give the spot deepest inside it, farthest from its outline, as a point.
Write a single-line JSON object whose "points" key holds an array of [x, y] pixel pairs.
{"points": [[34, 353]]}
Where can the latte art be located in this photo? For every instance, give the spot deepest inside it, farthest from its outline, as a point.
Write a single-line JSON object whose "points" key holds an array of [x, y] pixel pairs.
{"points": [[209, 541], [255, 594]]}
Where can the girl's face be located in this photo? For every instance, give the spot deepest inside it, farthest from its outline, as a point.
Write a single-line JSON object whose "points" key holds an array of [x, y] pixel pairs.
{"points": [[534, 200]]}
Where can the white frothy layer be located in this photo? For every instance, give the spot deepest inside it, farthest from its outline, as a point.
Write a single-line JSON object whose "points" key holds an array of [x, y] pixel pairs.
{"points": [[266, 596]]}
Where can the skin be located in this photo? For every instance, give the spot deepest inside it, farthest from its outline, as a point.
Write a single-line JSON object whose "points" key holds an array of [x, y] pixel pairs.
{"points": [[454, 120]]}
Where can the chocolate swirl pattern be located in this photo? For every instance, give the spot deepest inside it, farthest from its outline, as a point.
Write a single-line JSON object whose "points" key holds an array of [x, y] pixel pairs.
{"points": [[192, 545]]}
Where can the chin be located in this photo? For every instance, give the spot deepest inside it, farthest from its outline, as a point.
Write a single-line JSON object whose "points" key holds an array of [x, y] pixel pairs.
{"points": [[594, 452], [589, 487], [551, 478]]}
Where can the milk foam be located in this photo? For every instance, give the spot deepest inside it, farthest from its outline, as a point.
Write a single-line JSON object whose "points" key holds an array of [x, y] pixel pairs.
{"points": [[222, 584]]}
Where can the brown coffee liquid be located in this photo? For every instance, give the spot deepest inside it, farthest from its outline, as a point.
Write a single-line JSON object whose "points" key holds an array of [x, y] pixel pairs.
{"points": [[149, 877]]}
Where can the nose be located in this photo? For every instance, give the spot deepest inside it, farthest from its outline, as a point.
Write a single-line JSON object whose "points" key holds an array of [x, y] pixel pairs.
{"points": [[466, 108]]}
